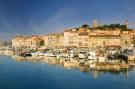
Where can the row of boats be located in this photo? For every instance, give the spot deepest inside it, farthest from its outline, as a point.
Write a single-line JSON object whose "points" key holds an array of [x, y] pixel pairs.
{"points": [[68, 59], [91, 55]]}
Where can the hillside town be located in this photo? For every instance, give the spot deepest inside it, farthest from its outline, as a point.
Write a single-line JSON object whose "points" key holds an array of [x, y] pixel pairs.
{"points": [[81, 37], [67, 44], [97, 47]]}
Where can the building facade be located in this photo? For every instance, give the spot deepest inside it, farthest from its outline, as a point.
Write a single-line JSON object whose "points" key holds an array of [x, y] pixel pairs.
{"points": [[26, 41], [79, 38], [71, 38], [53, 40], [106, 38]]}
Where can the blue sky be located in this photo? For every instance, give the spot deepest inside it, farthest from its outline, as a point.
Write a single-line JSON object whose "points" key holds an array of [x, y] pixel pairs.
{"points": [[48, 16]]}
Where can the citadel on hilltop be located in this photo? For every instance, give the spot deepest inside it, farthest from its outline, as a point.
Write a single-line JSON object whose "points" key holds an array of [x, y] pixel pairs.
{"points": [[109, 36]]}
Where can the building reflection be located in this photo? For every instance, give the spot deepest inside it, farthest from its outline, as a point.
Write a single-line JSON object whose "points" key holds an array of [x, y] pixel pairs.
{"points": [[68, 64], [95, 74]]}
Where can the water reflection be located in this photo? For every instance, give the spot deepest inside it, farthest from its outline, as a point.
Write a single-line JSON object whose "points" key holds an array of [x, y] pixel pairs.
{"points": [[99, 69]]}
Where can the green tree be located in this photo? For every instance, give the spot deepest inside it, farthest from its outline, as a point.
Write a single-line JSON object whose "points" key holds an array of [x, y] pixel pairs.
{"points": [[113, 26], [85, 26], [42, 43]]}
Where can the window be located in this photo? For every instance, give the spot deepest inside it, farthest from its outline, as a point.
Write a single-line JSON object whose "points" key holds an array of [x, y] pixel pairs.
{"points": [[80, 44], [86, 44], [86, 39]]}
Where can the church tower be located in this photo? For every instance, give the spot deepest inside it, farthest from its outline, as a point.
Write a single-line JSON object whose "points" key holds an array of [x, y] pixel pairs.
{"points": [[94, 23], [126, 23]]}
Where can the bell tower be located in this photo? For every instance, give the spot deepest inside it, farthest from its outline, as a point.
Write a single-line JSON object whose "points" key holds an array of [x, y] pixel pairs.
{"points": [[94, 23], [126, 23]]}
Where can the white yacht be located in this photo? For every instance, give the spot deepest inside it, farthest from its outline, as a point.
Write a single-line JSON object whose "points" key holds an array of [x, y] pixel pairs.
{"points": [[92, 55], [82, 55], [37, 54], [52, 54], [46, 54], [101, 59]]}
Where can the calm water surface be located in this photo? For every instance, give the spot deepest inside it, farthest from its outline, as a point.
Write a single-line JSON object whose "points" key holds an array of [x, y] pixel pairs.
{"points": [[30, 75]]}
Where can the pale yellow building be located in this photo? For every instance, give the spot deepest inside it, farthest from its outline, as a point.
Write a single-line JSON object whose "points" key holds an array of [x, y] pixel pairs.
{"points": [[19, 41], [71, 38], [54, 40], [26, 41], [127, 38], [106, 38], [83, 38]]}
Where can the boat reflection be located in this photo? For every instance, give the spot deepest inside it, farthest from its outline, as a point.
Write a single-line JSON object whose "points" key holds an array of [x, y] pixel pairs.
{"points": [[97, 69]]}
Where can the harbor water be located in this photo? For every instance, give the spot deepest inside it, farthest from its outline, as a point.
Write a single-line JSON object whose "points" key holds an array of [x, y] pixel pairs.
{"points": [[18, 74]]}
